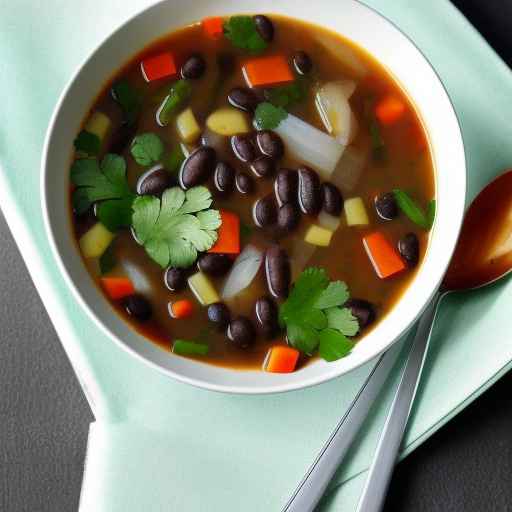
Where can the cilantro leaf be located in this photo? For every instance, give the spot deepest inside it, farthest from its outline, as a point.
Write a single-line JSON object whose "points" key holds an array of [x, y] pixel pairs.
{"points": [[334, 345], [342, 320], [107, 260], [287, 95], [303, 338], [175, 228], [128, 99], [335, 294], [412, 210], [147, 148], [242, 32], [268, 116], [88, 143], [107, 184]]}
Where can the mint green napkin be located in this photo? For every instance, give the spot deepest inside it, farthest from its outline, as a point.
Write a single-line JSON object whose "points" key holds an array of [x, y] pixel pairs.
{"points": [[161, 445]]}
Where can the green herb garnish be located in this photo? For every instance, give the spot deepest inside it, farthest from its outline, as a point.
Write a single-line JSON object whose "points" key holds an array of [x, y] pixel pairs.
{"points": [[242, 32], [268, 116], [334, 345], [179, 93], [108, 260], [312, 313], [175, 228], [147, 148], [106, 184], [87, 143], [287, 95], [379, 150], [413, 211], [189, 348], [245, 231], [172, 161], [128, 99]]}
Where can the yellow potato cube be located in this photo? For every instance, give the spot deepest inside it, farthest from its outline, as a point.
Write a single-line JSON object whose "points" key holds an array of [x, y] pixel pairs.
{"points": [[98, 124], [95, 241], [317, 235], [187, 126], [228, 121], [355, 212], [203, 289]]}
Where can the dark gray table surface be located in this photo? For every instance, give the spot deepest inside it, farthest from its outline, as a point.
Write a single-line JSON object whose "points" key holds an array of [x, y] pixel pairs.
{"points": [[465, 467]]}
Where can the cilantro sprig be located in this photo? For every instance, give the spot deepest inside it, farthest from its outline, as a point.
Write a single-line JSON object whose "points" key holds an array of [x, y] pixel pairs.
{"points": [[313, 316], [268, 116], [287, 96], [242, 32], [147, 148], [175, 228], [106, 185]]}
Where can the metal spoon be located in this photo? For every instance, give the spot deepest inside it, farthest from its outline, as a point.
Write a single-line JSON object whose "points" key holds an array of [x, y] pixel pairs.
{"points": [[482, 256]]}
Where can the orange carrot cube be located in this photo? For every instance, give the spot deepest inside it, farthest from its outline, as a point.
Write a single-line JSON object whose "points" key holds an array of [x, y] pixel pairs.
{"points": [[158, 66], [117, 287], [281, 359], [265, 71], [228, 241], [213, 27], [389, 110], [384, 257]]}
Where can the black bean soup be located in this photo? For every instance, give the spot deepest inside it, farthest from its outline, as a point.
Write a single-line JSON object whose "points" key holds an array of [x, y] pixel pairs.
{"points": [[252, 192]]}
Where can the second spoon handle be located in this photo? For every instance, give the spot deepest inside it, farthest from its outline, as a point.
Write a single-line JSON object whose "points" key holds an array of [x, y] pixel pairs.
{"points": [[374, 493]]}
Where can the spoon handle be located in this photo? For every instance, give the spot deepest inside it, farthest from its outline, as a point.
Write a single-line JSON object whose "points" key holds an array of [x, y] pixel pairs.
{"points": [[375, 490], [313, 485]]}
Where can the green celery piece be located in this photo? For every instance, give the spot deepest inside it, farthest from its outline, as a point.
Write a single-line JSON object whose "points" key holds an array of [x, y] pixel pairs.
{"points": [[172, 161], [179, 93], [128, 99], [189, 348], [411, 209], [87, 143], [333, 345], [108, 260]]}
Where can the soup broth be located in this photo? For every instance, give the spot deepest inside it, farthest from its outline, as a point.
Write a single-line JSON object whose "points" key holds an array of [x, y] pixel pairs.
{"points": [[368, 230]]}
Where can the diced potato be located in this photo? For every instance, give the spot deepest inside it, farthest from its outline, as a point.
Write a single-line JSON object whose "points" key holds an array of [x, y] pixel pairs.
{"points": [[99, 124], [187, 126], [355, 212], [95, 241], [317, 235], [203, 289], [228, 121]]}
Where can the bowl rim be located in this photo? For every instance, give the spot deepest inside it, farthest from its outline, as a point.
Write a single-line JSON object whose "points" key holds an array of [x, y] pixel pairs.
{"points": [[310, 381]]}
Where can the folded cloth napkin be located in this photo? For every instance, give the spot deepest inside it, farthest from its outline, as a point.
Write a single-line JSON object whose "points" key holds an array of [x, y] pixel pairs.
{"points": [[161, 445]]}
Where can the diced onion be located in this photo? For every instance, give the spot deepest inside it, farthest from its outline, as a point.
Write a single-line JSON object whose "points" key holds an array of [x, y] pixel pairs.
{"points": [[242, 272], [309, 145], [349, 169], [328, 221]]}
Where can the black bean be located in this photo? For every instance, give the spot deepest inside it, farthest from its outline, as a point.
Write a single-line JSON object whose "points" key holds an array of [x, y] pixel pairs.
{"points": [[243, 98], [386, 206], [154, 181], [277, 269], [302, 62], [224, 177], [264, 212], [310, 199], [270, 144], [332, 200], [244, 183], [409, 248], [175, 279], [214, 264], [362, 310], [138, 307], [266, 317], [241, 332], [243, 147], [285, 186], [198, 167], [264, 27], [288, 218], [263, 167], [219, 314], [194, 67]]}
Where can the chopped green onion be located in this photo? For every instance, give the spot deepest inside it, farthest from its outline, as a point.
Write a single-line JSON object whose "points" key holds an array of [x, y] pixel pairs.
{"points": [[411, 209], [172, 161], [189, 348], [179, 93]]}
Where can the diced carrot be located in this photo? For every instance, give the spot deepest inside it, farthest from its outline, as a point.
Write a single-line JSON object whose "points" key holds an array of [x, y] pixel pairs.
{"points": [[117, 287], [181, 308], [228, 241], [213, 27], [384, 257], [281, 359], [389, 110], [265, 71], [158, 66]]}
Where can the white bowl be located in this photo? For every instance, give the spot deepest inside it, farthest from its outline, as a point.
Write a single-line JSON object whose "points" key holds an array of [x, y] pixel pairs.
{"points": [[348, 17]]}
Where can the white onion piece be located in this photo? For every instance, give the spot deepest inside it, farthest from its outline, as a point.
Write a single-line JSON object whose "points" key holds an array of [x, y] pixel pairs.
{"points": [[301, 252], [349, 169], [138, 276], [242, 272], [344, 53], [328, 221], [332, 104], [309, 145]]}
